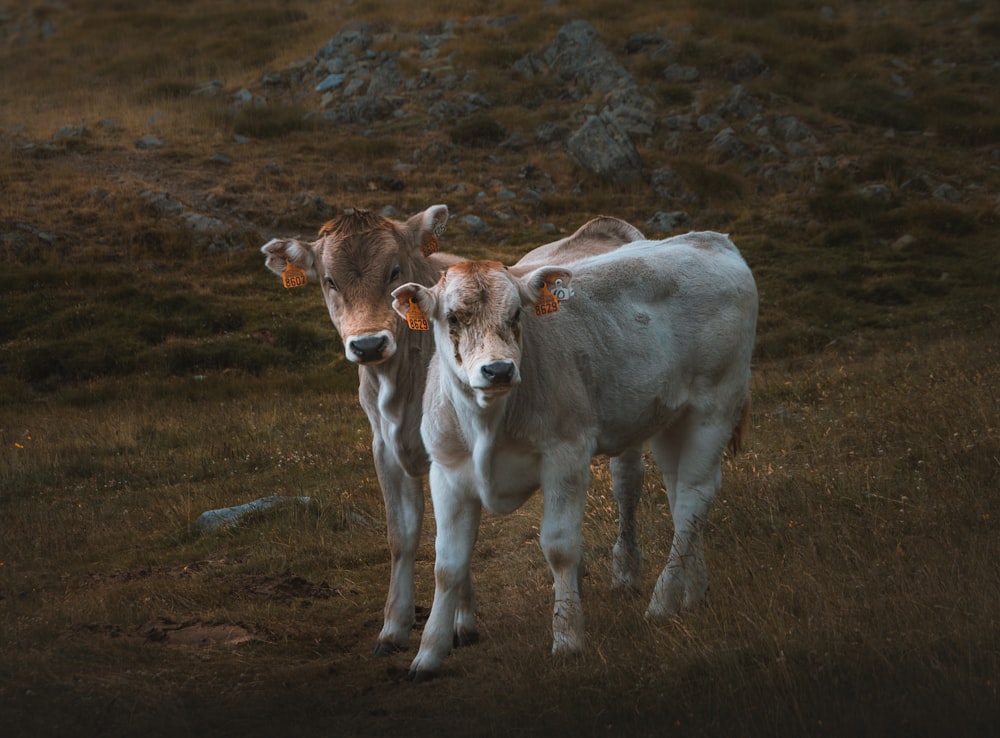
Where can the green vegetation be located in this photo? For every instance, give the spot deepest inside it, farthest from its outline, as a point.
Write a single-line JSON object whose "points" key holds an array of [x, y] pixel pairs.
{"points": [[152, 371]]}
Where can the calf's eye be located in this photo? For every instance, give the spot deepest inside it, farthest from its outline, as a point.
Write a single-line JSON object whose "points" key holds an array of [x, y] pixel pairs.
{"points": [[394, 277], [452, 320], [328, 281]]}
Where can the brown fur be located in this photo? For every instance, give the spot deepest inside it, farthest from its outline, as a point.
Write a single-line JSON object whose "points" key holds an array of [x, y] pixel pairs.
{"points": [[475, 268], [353, 223]]}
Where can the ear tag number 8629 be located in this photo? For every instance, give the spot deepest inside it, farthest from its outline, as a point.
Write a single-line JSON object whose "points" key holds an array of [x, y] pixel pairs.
{"points": [[416, 318], [547, 302]]}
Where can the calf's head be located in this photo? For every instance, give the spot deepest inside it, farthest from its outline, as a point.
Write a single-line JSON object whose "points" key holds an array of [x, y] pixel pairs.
{"points": [[478, 311], [359, 258]]}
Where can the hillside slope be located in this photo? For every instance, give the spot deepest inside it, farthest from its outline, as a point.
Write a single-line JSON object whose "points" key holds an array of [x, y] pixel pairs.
{"points": [[852, 151]]}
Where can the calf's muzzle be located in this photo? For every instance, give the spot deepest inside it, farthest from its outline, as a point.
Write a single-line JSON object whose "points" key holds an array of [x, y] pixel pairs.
{"points": [[368, 348], [498, 372]]}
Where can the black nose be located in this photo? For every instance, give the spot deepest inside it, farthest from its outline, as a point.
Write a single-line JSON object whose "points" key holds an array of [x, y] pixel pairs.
{"points": [[369, 348], [499, 372]]}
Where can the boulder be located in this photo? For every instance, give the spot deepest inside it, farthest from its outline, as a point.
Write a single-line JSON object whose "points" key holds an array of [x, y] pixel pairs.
{"points": [[577, 55], [668, 222], [726, 145], [602, 147]]}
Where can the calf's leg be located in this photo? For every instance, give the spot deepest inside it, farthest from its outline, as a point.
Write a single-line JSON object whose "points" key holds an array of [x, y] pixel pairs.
{"points": [[457, 513], [564, 486], [626, 476], [404, 513], [684, 580]]}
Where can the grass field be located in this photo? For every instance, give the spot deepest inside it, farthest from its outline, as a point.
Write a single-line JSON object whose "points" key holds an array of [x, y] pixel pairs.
{"points": [[152, 371]]}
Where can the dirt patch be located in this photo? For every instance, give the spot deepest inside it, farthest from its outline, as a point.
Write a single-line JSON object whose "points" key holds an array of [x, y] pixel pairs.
{"points": [[195, 633], [191, 633], [184, 571], [287, 588]]}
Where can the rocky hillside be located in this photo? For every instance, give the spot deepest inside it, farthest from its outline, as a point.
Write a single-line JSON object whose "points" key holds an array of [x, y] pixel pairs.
{"points": [[852, 149]]}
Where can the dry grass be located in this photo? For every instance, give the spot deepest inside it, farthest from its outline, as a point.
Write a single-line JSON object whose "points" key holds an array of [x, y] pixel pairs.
{"points": [[851, 551], [149, 377]]}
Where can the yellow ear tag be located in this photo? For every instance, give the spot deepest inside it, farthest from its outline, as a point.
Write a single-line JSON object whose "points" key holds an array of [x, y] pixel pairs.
{"points": [[293, 276], [429, 245], [416, 319], [547, 302]]}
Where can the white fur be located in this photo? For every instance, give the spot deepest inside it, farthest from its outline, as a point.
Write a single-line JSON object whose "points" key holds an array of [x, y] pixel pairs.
{"points": [[653, 347]]}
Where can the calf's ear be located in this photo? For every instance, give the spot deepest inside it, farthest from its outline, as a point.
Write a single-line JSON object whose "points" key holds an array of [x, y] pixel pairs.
{"points": [[545, 282], [413, 303], [425, 227], [280, 252]]}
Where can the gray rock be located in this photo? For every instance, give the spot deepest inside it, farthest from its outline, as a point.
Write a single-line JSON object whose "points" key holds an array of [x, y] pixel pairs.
{"points": [[549, 132], [312, 207], [679, 73], [354, 86], [947, 192], [792, 129], [36, 232], [794, 149], [739, 104], [678, 122], [243, 98], [229, 516], [602, 147], [639, 41], [634, 121], [726, 145], [331, 82], [668, 222], [635, 114], [668, 184], [529, 65], [746, 65], [709, 122], [148, 142], [577, 55], [333, 66], [163, 202], [356, 36], [200, 223], [208, 89], [476, 225], [387, 78], [71, 132], [365, 110], [876, 193]]}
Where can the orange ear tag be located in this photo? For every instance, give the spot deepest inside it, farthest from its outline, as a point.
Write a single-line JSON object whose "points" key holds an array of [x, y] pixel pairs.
{"points": [[429, 245], [293, 276], [547, 302], [416, 318]]}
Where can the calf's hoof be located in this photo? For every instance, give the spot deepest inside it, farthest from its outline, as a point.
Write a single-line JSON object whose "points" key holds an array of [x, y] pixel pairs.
{"points": [[386, 648], [418, 676], [467, 638]]}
